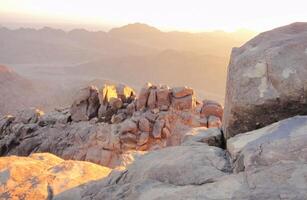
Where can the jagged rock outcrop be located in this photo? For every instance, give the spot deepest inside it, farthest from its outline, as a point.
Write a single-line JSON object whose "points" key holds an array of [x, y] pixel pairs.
{"points": [[267, 80], [273, 160], [105, 126], [43, 176], [85, 106]]}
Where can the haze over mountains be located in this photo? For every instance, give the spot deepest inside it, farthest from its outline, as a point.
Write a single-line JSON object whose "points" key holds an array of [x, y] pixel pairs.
{"points": [[60, 62]]}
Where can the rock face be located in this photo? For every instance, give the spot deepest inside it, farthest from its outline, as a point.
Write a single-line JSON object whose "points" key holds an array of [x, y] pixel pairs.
{"points": [[285, 140], [43, 176], [269, 163], [267, 80], [86, 104]]}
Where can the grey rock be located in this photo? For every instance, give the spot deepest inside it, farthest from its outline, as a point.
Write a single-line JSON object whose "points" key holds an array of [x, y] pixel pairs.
{"points": [[86, 104], [267, 80], [284, 140], [211, 136]]}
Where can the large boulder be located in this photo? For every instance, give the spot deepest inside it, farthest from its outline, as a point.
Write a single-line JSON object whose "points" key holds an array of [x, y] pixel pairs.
{"points": [[267, 80], [86, 104], [43, 175]]}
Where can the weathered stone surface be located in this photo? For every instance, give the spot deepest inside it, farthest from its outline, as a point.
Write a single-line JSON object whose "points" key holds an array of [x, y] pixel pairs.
{"points": [[267, 80], [43, 176], [125, 93], [30, 115], [211, 109], [115, 103], [273, 159], [180, 92], [128, 126], [214, 122], [284, 140], [118, 118], [187, 102], [144, 125], [54, 117], [143, 139], [211, 136], [157, 128], [163, 98], [143, 96], [152, 99], [86, 105]]}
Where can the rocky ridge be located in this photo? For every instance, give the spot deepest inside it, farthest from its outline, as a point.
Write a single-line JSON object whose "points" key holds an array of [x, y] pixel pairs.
{"points": [[109, 125]]}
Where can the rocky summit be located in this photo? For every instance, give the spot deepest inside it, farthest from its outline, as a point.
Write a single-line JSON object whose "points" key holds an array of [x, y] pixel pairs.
{"points": [[164, 143]]}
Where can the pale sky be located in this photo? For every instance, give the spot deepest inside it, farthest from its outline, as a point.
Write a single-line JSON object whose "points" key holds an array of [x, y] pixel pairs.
{"points": [[184, 15]]}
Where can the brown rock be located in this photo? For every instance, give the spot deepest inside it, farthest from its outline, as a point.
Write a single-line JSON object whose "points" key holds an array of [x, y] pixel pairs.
{"points": [[163, 98], [157, 128], [144, 125], [128, 141], [187, 102], [166, 133], [118, 118], [214, 121], [179, 92], [152, 99], [143, 139], [143, 96], [211, 109], [131, 108], [128, 126]]}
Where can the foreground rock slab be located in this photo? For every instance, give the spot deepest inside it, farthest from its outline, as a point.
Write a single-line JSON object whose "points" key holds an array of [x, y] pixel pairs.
{"points": [[284, 140], [43, 175], [267, 80]]}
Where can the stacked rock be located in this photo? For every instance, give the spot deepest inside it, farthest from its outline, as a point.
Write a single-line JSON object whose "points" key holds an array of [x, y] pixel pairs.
{"points": [[163, 97], [212, 111]]}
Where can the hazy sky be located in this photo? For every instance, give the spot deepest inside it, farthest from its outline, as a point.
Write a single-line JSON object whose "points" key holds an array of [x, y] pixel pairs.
{"points": [[187, 15]]}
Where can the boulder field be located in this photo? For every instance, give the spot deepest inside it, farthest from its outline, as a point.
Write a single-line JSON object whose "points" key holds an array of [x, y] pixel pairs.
{"points": [[165, 144]]}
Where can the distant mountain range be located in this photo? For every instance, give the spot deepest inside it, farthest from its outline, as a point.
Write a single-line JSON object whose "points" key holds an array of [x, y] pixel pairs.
{"points": [[133, 54]]}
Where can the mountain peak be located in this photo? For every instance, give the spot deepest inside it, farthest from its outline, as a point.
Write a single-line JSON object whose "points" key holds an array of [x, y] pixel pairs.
{"points": [[135, 28]]}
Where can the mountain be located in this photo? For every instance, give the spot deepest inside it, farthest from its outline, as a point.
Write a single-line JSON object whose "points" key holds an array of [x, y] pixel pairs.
{"points": [[15, 91], [57, 60]]}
